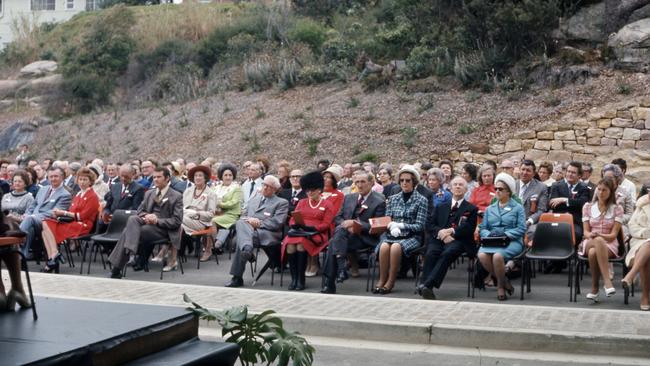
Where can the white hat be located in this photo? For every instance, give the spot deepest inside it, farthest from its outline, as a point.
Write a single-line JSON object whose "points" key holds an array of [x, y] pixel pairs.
{"points": [[410, 169], [336, 170], [508, 180]]}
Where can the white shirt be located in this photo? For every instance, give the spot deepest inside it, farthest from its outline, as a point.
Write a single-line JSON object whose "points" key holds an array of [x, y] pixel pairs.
{"points": [[453, 202], [629, 186]]}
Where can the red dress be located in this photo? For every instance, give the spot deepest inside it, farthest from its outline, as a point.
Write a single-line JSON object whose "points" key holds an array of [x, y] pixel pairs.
{"points": [[482, 196], [320, 217], [336, 197], [85, 207]]}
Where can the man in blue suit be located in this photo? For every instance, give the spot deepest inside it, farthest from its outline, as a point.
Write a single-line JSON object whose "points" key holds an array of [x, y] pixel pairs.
{"points": [[48, 198]]}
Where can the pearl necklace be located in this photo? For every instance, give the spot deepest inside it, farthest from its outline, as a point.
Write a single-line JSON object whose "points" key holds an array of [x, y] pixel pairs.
{"points": [[318, 204]]}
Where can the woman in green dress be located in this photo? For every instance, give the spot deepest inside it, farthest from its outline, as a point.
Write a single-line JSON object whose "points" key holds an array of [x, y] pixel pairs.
{"points": [[229, 196]]}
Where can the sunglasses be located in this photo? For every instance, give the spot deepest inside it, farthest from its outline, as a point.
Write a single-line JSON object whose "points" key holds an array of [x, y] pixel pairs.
{"points": [[405, 180], [499, 189]]}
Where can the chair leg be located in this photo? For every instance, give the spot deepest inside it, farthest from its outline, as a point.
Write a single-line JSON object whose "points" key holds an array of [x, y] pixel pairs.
{"points": [[29, 284], [83, 258], [571, 294], [579, 266], [523, 277]]}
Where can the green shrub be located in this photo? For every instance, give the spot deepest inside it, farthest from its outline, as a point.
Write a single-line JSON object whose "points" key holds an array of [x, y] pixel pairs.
{"points": [[309, 32], [214, 47], [409, 136], [170, 52], [86, 92], [177, 83], [259, 74], [105, 49], [313, 74], [338, 49], [289, 73], [420, 62], [374, 82], [366, 156]]}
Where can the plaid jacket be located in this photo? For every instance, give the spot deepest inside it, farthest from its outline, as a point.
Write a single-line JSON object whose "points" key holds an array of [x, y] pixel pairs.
{"points": [[412, 213]]}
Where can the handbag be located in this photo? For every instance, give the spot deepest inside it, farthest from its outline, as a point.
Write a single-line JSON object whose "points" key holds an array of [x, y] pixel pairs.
{"points": [[65, 219], [495, 241]]}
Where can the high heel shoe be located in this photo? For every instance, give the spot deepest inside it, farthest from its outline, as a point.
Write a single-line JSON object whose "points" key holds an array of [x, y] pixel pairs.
{"points": [[609, 292], [169, 268], [17, 297], [626, 290]]}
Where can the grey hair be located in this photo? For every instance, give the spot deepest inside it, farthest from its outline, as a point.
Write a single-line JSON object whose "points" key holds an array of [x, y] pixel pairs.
{"points": [[484, 169], [618, 173], [272, 181], [438, 173]]}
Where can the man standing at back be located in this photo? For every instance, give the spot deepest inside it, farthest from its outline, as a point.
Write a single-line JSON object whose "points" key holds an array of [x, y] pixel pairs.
{"points": [[533, 195], [253, 183]]}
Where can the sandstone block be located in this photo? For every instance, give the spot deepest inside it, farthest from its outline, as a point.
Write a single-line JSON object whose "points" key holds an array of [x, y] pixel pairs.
{"points": [[537, 155], [582, 140], [575, 148], [496, 149], [580, 132], [479, 158], [604, 123], [565, 135], [512, 145], [525, 134], [559, 155], [614, 132], [544, 145], [557, 145], [645, 135], [640, 124], [606, 141], [622, 122], [647, 123], [643, 145], [631, 134], [595, 132], [546, 135], [527, 144], [479, 148], [640, 113], [583, 157], [600, 150], [626, 144], [626, 113], [466, 156], [593, 140], [581, 123]]}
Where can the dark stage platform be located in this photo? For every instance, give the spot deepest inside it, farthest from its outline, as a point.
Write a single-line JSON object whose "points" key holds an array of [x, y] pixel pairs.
{"points": [[74, 332]]}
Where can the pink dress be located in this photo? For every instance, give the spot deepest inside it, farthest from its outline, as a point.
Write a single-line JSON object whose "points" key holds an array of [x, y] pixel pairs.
{"points": [[602, 223]]}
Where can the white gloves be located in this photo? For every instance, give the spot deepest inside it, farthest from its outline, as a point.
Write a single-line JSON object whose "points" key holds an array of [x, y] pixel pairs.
{"points": [[393, 224], [395, 232]]}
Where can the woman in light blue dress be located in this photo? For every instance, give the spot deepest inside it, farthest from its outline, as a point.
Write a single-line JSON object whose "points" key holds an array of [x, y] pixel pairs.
{"points": [[504, 217]]}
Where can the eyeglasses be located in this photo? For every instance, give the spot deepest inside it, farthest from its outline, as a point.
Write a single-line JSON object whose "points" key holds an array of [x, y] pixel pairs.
{"points": [[499, 189], [405, 180], [295, 176]]}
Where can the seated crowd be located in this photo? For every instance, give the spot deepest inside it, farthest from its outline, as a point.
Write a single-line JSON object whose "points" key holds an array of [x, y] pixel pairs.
{"points": [[428, 211]]}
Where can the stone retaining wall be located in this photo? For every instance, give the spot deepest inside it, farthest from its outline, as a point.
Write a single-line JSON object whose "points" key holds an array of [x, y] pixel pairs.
{"points": [[602, 134]]}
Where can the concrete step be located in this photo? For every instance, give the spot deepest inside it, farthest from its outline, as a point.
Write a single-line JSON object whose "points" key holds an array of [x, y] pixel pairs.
{"points": [[353, 352]]}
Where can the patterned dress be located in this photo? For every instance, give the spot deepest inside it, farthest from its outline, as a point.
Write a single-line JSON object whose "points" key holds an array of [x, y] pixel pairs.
{"points": [[413, 213], [602, 223]]}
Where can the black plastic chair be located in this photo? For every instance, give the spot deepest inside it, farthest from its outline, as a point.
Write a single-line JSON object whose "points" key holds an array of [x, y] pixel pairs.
{"points": [[109, 238], [623, 247], [553, 241]]}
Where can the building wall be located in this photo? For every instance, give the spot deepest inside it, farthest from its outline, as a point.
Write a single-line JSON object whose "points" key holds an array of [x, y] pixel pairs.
{"points": [[13, 9]]}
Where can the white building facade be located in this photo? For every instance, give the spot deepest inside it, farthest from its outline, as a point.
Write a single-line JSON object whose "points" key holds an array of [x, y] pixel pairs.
{"points": [[39, 11]]}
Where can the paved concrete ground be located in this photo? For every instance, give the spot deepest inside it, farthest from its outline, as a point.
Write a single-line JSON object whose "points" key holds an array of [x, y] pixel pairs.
{"points": [[544, 322], [547, 290]]}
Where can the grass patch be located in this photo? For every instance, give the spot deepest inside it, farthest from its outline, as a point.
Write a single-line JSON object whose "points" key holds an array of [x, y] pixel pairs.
{"points": [[259, 113], [353, 103], [409, 136], [312, 145], [465, 129]]}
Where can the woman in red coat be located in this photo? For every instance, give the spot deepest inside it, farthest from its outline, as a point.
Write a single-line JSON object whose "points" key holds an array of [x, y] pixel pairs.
{"points": [[317, 213], [483, 194], [82, 213]]}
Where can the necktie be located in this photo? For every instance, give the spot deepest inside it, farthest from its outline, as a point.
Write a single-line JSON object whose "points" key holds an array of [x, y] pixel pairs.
{"points": [[523, 190], [158, 196], [49, 193], [454, 208], [262, 201], [252, 187], [122, 193], [294, 194]]}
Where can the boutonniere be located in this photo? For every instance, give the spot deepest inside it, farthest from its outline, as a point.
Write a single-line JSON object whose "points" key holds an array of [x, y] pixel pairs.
{"points": [[126, 191], [165, 199]]}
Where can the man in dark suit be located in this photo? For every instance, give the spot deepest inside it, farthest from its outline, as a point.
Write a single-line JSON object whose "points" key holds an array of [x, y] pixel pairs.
{"points": [[568, 196], [148, 167], [295, 193], [451, 234], [159, 217], [261, 222], [126, 194], [587, 170], [356, 210]]}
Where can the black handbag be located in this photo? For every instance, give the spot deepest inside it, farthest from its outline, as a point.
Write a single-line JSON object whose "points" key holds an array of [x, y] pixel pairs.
{"points": [[495, 241], [65, 219]]}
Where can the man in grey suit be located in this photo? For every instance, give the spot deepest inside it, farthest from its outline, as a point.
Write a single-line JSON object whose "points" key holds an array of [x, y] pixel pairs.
{"points": [[357, 207], [261, 223], [159, 217], [533, 195], [252, 184], [48, 198]]}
